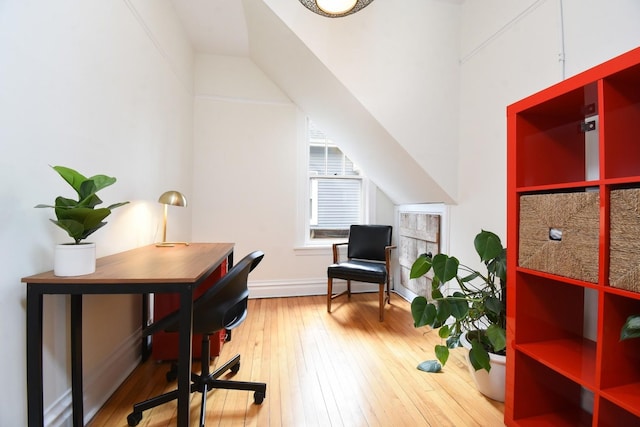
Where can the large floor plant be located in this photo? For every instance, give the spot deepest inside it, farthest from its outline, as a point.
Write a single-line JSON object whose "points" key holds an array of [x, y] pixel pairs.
{"points": [[477, 305]]}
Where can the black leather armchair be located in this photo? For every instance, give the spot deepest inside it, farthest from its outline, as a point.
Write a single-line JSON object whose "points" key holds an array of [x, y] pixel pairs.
{"points": [[368, 260], [222, 307]]}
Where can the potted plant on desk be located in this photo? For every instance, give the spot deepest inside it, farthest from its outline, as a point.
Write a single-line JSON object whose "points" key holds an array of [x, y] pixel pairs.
{"points": [[474, 315], [79, 218]]}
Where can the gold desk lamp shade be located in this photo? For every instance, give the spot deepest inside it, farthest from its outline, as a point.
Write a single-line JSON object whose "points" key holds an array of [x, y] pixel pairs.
{"points": [[170, 198]]}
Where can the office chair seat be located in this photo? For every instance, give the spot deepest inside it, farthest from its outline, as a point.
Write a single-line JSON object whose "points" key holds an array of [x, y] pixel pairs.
{"points": [[222, 307]]}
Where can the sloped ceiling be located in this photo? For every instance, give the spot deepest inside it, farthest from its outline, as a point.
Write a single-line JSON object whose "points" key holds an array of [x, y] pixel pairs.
{"points": [[251, 28]]}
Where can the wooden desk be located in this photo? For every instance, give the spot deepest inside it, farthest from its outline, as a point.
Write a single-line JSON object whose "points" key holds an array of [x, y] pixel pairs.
{"points": [[145, 270]]}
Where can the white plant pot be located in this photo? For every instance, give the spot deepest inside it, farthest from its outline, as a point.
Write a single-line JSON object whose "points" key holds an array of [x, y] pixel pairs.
{"points": [[74, 260], [492, 384]]}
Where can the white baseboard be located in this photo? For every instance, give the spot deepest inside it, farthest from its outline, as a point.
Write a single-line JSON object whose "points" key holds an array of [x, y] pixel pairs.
{"points": [[298, 288], [405, 293]]}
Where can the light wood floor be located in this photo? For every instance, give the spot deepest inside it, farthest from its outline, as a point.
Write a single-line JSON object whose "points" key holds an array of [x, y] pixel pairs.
{"points": [[321, 369]]}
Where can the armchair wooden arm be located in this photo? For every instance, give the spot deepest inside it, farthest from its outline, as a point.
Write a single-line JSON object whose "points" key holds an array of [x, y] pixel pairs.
{"points": [[336, 254]]}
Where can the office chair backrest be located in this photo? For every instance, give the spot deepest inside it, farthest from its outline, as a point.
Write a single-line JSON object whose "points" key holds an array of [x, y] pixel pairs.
{"points": [[224, 305], [368, 241]]}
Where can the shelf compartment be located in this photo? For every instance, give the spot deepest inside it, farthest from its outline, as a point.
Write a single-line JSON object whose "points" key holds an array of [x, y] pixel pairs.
{"points": [[554, 309], [620, 369], [573, 358], [624, 242], [550, 138], [544, 397], [611, 415], [573, 251], [621, 113]]}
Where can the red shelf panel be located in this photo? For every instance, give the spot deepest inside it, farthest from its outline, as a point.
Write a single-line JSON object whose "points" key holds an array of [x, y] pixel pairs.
{"points": [[557, 419], [576, 185], [626, 396], [562, 279], [575, 359]]}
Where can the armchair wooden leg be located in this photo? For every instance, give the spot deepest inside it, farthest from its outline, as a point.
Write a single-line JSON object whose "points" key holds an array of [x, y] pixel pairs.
{"points": [[381, 300], [388, 294], [329, 294]]}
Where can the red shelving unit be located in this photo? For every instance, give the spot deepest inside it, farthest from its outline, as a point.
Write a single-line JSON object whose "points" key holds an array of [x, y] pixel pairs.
{"points": [[565, 363]]}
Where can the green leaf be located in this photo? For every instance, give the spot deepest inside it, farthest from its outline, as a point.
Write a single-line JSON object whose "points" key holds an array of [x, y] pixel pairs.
{"points": [[63, 202], [116, 205], [443, 332], [443, 310], [497, 337], [470, 277], [445, 267], [479, 357], [73, 177], [498, 266], [102, 181], [488, 245], [459, 306], [631, 328], [423, 312], [442, 353], [494, 305], [453, 341], [420, 267]]}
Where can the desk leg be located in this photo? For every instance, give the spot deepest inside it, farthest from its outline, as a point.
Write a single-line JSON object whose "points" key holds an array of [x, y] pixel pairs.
{"points": [[76, 360], [35, 402], [146, 341], [184, 355]]}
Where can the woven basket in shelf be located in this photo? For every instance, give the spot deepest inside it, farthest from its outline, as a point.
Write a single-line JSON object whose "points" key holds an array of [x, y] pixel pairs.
{"points": [[577, 216], [624, 258]]}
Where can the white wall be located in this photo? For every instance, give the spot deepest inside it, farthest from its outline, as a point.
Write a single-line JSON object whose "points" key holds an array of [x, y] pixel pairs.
{"points": [[103, 87], [400, 60], [509, 50], [247, 135]]}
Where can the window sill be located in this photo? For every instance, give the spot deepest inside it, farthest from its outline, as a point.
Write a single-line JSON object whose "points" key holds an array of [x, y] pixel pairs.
{"points": [[323, 249]]}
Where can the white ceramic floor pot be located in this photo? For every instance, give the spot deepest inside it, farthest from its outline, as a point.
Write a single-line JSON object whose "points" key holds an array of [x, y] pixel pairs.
{"points": [[74, 260], [492, 384]]}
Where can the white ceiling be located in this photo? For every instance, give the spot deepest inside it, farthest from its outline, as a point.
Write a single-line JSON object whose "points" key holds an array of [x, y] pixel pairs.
{"points": [[224, 27], [219, 26], [215, 26]]}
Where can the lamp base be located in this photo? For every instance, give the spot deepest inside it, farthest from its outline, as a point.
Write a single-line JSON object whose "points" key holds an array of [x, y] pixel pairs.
{"points": [[170, 244]]}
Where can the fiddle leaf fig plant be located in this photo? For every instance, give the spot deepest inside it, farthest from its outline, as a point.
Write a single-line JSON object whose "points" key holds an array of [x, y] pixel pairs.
{"points": [[81, 218], [477, 307]]}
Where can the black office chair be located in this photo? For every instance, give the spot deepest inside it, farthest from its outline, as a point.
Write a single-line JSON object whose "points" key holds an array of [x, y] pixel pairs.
{"points": [[369, 260], [222, 307]]}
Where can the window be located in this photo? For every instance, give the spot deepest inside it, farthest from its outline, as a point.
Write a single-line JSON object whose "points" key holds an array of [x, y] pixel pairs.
{"points": [[335, 188]]}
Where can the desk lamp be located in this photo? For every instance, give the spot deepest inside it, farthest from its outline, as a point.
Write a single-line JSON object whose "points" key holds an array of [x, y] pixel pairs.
{"points": [[173, 198]]}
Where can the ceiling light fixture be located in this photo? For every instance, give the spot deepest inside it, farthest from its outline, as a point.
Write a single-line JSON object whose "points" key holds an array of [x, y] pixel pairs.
{"points": [[335, 8]]}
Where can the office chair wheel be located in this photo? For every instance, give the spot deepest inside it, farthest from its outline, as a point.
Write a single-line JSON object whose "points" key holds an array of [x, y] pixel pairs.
{"points": [[134, 418], [258, 397], [235, 368]]}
